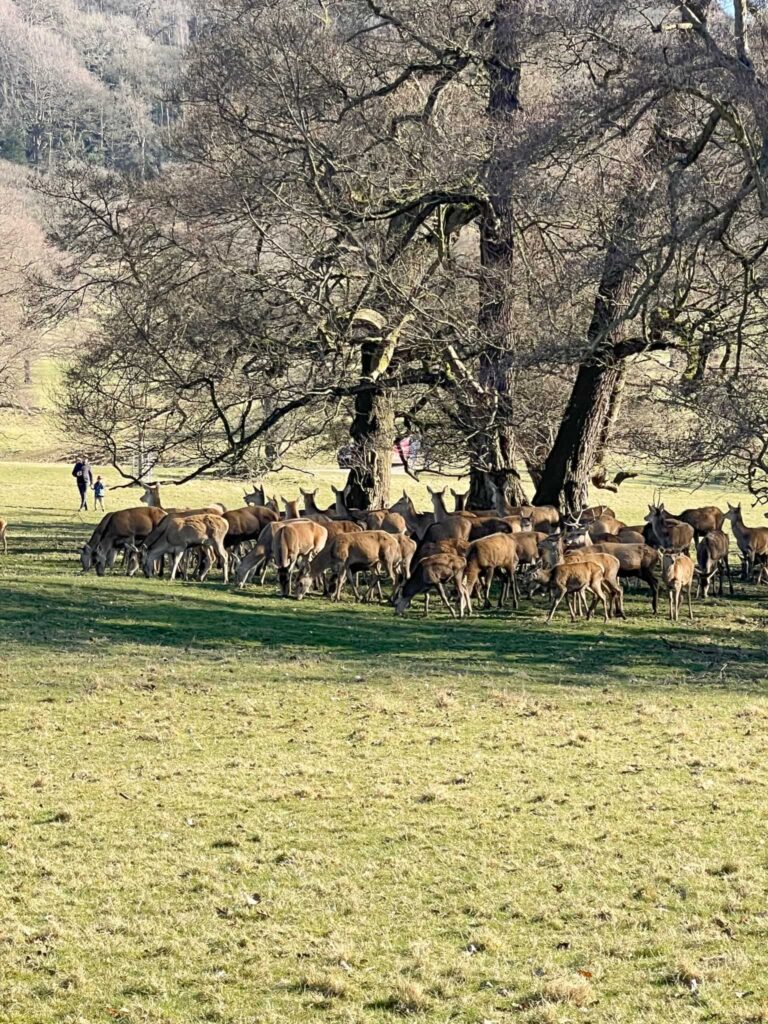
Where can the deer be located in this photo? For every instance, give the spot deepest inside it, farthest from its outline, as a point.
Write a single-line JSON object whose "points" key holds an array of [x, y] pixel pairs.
{"points": [[438, 504], [588, 515], [416, 522], [752, 540], [484, 557], [553, 552], [670, 534], [311, 508], [262, 552], [151, 498], [89, 548], [636, 561], [313, 574], [711, 558], [385, 519], [304, 539], [368, 551], [124, 529], [245, 524], [256, 497], [206, 531], [677, 571], [573, 578], [435, 571], [459, 500]]}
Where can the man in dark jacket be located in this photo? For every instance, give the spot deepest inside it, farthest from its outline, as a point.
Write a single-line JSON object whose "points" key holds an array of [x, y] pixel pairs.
{"points": [[84, 478]]}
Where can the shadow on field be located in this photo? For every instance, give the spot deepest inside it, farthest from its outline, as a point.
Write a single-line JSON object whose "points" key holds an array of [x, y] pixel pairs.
{"points": [[62, 615]]}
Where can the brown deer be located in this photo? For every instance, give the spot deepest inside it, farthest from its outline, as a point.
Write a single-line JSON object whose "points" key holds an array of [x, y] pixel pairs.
{"points": [[417, 522], [314, 573], [485, 556], [553, 552], [573, 578], [703, 520], [670, 534], [677, 573], [206, 531], [125, 529], [89, 548], [636, 561], [368, 551], [711, 558], [297, 541], [434, 572], [752, 540], [256, 497]]}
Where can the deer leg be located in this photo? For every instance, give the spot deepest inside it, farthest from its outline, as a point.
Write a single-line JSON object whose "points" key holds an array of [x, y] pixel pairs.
{"points": [[489, 584], [426, 604], [556, 599], [515, 595], [444, 599], [176, 562], [690, 606]]}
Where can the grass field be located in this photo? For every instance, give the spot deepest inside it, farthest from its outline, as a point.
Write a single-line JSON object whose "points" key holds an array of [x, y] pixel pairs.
{"points": [[227, 807]]}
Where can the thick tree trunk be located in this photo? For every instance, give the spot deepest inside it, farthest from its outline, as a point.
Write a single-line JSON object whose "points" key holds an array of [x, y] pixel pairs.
{"points": [[565, 481], [372, 434], [493, 459], [586, 423]]}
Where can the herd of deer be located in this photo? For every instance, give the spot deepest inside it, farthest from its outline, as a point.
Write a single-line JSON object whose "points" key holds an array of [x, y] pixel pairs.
{"points": [[322, 549]]}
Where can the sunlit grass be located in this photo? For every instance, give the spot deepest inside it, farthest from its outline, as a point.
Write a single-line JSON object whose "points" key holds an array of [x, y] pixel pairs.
{"points": [[218, 806]]}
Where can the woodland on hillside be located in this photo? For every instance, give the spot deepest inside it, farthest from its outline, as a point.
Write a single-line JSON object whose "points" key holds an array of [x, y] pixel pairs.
{"points": [[531, 232]]}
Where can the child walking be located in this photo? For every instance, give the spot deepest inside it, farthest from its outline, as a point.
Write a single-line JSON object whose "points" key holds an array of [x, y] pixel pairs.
{"points": [[98, 493]]}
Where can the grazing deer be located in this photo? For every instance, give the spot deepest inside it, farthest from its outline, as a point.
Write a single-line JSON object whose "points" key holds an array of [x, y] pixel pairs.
{"points": [[752, 540], [677, 573], [435, 571], [314, 573], [297, 541], [703, 520], [711, 558], [206, 531], [573, 578], [124, 529]]}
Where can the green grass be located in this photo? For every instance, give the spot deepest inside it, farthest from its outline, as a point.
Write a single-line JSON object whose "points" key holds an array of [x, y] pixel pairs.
{"points": [[218, 806]]}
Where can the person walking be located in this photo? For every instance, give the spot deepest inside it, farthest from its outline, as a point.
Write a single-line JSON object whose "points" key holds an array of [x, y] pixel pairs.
{"points": [[98, 493], [84, 478]]}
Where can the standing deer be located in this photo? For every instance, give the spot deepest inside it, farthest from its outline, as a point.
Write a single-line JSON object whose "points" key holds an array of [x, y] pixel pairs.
{"points": [[752, 540], [677, 573], [670, 533], [711, 558]]}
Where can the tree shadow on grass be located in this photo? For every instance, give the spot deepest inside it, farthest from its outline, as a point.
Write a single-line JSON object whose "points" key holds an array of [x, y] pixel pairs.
{"points": [[211, 619]]}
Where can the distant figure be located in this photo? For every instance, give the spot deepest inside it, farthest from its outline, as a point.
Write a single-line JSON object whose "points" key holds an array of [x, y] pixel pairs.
{"points": [[98, 493], [84, 479]]}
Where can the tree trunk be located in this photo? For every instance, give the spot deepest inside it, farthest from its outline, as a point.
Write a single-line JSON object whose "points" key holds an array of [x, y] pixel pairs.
{"points": [[493, 446], [585, 424], [565, 481], [372, 434]]}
